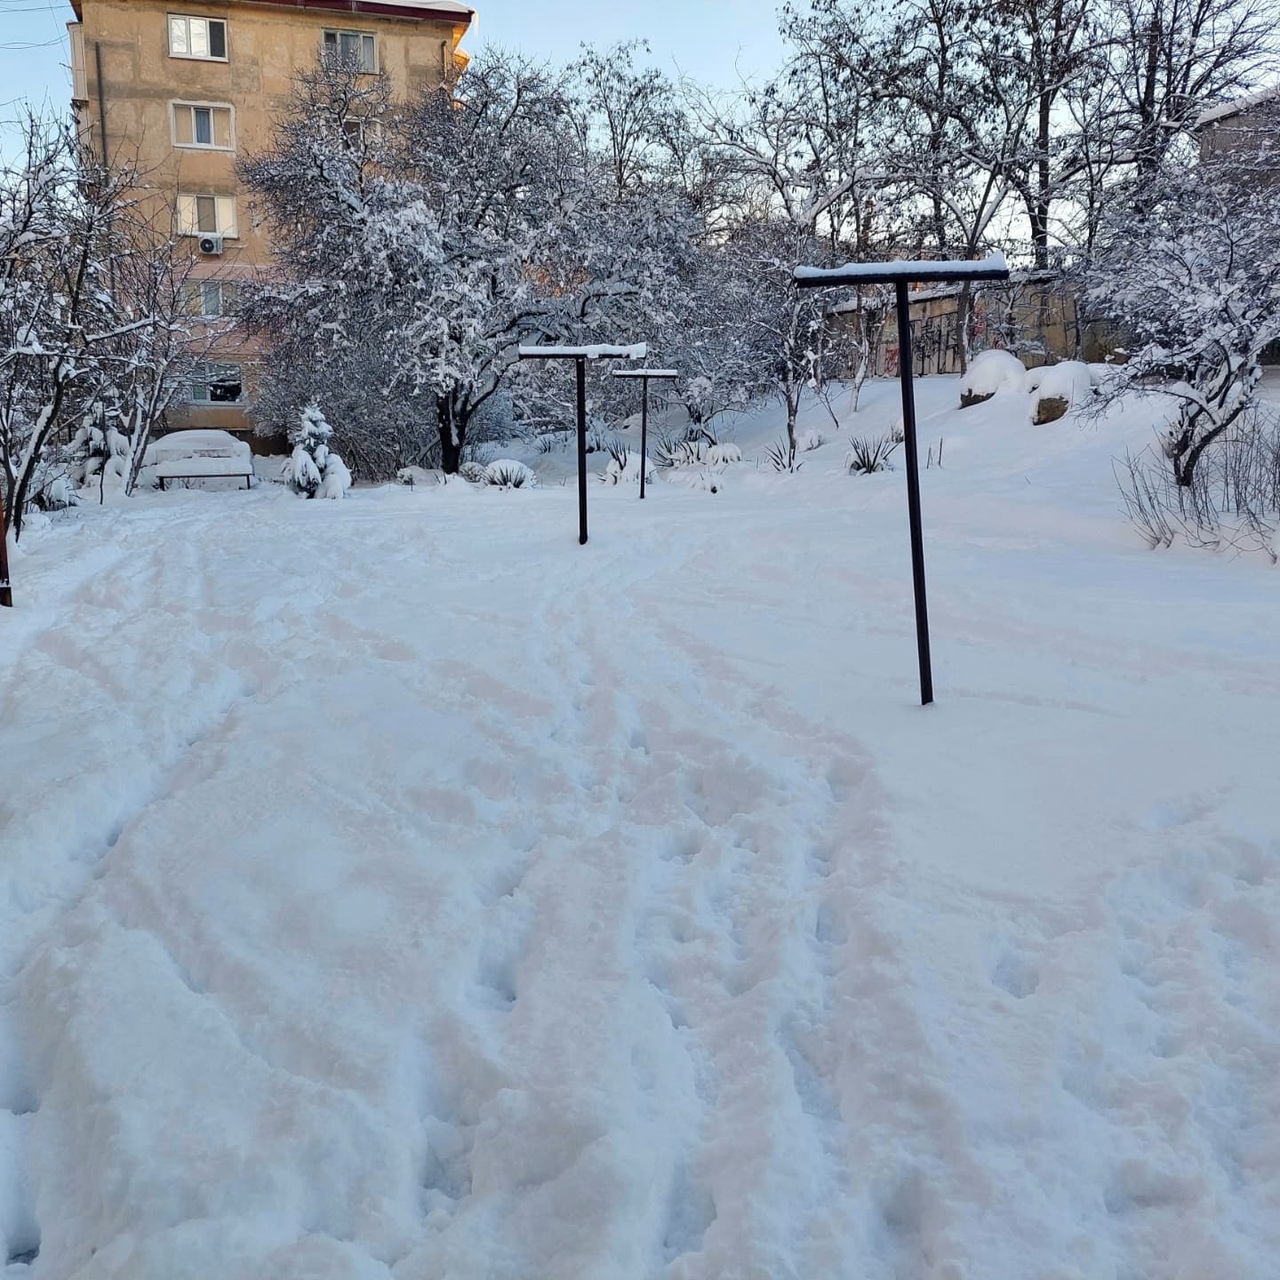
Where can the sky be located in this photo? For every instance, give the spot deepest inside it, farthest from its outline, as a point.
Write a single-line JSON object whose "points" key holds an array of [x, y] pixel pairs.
{"points": [[716, 41]]}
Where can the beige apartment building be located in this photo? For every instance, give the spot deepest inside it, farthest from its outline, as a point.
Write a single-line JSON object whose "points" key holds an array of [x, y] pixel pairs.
{"points": [[181, 90]]}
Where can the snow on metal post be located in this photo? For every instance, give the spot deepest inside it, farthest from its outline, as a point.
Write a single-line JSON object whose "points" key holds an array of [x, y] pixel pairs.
{"points": [[645, 375], [580, 355], [6, 591], [900, 275]]}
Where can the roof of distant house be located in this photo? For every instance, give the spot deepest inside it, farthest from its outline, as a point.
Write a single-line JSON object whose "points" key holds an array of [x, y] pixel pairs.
{"points": [[1238, 105]]}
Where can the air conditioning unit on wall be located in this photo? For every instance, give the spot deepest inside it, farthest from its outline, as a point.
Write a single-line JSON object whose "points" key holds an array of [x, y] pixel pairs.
{"points": [[211, 245]]}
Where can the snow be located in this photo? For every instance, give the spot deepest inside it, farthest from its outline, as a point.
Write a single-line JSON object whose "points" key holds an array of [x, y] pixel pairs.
{"points": [[991, 267], [195, 444], [991, 371], [595, 351], [454, 901], [1238, 105], [1069, 380]]}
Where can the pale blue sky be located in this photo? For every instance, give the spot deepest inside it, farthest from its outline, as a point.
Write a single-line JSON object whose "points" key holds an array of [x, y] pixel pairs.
{"points": [[712, 40]]}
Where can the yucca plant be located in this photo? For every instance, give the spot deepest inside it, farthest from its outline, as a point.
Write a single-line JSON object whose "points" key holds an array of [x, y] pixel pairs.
{"points": [[868, 456]]}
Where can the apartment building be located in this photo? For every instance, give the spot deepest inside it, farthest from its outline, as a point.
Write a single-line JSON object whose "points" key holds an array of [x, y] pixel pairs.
{"points": [[180, 90]]}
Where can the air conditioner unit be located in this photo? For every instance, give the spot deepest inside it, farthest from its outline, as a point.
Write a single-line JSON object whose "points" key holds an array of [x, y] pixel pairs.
{"points": [[211, 245]]}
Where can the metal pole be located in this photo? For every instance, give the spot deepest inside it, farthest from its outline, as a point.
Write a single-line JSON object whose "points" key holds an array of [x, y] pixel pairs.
{"points": [[6, 591], [582, 450], [644, 432], [913, 493]]}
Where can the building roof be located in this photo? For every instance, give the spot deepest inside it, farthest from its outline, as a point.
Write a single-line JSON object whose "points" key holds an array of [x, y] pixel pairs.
{"points": [[442, 10], [1238, 106]]}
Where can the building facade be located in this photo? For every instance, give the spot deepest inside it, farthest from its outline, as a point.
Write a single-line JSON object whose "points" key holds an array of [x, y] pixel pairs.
{"points": [[180, 91]]}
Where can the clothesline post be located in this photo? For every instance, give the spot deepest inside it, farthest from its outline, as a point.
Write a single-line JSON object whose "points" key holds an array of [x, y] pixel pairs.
{"points": [[580, 356], [901, 275], [645, 374]]}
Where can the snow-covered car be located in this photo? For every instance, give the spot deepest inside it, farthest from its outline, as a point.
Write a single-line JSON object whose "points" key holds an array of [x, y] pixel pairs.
{"points": [[197, 455]]}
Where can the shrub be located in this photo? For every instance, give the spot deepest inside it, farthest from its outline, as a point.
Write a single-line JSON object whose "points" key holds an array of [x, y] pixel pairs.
{"points": [[507, 473], [781, 457], [868, 456]]}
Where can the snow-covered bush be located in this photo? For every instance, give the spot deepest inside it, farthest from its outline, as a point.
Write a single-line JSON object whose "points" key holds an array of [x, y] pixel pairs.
{"points": [[781, 457], [96, 450], [508, 473], [52, 489], [989, 372], [414, 477], [808, 441], [722, 455], [1196, 282], [868, 456], [624, 465], [314, 469], [1056, 388], [473, 472]]}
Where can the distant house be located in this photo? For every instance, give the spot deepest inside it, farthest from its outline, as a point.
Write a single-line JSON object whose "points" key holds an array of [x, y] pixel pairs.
{"points": [[1033, 314], [1246, 131]]}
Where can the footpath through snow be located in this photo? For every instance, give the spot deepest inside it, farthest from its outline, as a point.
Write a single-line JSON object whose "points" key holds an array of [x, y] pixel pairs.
{"points": [[392, 888]]}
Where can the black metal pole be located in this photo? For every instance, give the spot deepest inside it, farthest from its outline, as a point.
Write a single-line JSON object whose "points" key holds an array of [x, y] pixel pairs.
{"points": [[644, 432], [582, 450], [913, 493], [6, 591]]}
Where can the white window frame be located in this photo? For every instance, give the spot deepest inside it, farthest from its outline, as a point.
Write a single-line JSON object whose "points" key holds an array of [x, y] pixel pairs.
{"points": [[338, 33], [360, 131], [189, 18], [182, 105], [199, 297], [224, 214], [206, 368]]}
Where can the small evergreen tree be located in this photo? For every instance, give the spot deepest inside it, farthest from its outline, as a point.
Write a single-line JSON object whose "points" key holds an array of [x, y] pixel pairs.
{"points": [[315, 470]]}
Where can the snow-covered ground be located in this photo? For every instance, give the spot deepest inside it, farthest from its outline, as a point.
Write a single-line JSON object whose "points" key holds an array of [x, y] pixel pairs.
{"points": [[392, 888]]}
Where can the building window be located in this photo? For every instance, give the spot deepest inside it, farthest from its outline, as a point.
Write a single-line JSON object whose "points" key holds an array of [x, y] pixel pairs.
{"points": [[210, 298], [212, 383], [196, 125], [360, 132], [197, 38], [200, 215], [356, 48]]}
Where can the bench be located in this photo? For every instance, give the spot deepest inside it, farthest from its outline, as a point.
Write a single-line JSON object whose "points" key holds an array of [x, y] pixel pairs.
{"points": [[199, 468]]}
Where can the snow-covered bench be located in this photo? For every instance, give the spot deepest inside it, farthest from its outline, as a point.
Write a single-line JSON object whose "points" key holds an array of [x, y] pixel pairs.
{"points": [[199, 468]]}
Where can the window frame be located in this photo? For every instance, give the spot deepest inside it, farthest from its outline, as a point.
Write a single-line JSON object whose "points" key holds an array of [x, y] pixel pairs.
{"points": [[221, 200], [181, 104], [207, 381], [197, 297], [338, 33], [189, 18]]}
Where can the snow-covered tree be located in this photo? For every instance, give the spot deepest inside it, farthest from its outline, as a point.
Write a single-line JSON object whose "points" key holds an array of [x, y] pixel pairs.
{"points": [[315, 470], [1195, 279], [470, 223], [72, 333]]}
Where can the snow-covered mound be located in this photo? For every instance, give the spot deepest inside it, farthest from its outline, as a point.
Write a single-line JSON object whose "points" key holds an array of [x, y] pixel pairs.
{"points": [[1057, 388], [989, 372]]}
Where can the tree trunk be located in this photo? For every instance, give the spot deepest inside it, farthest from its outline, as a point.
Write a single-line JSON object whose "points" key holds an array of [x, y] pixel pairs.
{"points": [[452, 427]]}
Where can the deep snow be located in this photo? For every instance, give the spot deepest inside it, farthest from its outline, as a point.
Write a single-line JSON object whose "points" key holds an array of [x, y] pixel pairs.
{"points": [[394, 888]]}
